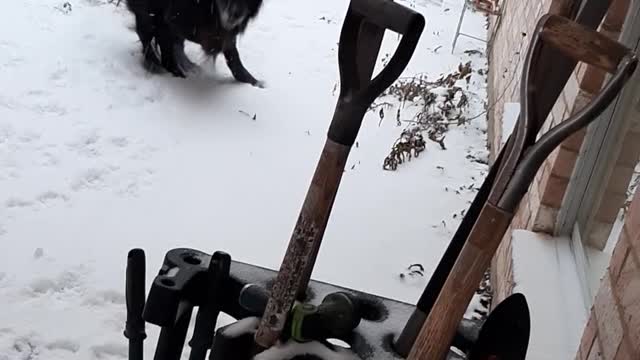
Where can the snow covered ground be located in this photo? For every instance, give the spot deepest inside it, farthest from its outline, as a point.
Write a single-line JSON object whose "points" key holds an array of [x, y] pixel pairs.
{"points": [[97, 157]]}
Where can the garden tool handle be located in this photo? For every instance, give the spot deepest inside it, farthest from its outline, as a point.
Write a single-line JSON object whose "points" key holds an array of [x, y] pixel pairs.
{"points": [[135, 300], [583, 44], [356, 94], [538, 152], [517, 170], [360, 41], [580, 44], [387, 14]]}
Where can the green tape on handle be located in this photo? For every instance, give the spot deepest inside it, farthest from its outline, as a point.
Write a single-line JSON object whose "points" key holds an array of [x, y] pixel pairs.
{"points": [[300, 311]]}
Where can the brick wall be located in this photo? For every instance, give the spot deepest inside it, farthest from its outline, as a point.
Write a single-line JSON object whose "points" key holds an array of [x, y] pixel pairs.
{"points": [[506, 51], [613, 329], [507, 48]]}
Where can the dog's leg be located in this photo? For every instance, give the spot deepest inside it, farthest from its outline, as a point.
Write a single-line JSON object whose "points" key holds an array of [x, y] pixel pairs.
{"points": [[145, 31], [240, 73], [183, 61], [167, 41]]}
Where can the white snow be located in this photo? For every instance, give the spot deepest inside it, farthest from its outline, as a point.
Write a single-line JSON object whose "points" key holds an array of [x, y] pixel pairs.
{"points": [[509, 120], [243, 326], [544, 270], [98, 157]]}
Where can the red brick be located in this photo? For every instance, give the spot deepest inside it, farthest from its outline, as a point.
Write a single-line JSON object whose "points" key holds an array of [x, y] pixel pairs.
{"points": [[616, 15], [619, 255], [620, 179], [523, 214], [551, 159], [553, 192], [544, 220], [582, 99], [546, 125], [625, 352], [610, 330], [595, 353], [610, 207], [570, 91], [574, 142], [588, 336], [598, 233], [592, 80], [581, 68], [534, 197], [558, 110], [564, 163], [630, 149], [543, 174], [628, 291], [502, 273], [633, 218]]}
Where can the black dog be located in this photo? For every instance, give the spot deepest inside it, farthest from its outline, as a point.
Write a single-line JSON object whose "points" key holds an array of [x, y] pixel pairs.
{"points": [[164, 25]]}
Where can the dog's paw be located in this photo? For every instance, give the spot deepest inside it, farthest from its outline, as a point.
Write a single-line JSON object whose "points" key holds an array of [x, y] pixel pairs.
{"points": [[186, 66], [193, 71], [152, 67], [260, 84], [178, 73], [175, 70]]}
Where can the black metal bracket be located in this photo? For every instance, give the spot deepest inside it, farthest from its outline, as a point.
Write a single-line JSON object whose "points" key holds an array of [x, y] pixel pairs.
{"points": [[214, 284]]}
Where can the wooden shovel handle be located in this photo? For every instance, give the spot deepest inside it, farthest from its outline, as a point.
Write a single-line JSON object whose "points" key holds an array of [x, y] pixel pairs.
{"points": [[361, 34], [581, 43], [441, 324]]}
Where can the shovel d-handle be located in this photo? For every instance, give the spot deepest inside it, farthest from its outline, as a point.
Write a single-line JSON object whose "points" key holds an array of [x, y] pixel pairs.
{"points": [[357, 92]]}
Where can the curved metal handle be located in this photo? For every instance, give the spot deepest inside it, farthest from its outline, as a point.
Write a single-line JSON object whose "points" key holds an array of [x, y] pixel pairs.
{"points": [[356, 94], [387, 14], [581, 44], [537, 154]]}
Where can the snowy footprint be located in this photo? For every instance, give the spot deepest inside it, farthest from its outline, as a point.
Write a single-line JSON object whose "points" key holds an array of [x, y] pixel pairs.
{"points": [[105, 297], [110, 351], [63, 345]]}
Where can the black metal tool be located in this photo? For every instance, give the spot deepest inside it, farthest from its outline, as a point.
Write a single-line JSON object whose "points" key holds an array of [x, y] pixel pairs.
{"points": [[207, 316], [505, 333], [135, 298], [184, 278], [335, 317], [172, 337]]}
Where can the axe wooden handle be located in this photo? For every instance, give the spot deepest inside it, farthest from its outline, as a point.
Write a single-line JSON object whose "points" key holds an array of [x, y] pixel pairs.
{"points": [[581, 43]]}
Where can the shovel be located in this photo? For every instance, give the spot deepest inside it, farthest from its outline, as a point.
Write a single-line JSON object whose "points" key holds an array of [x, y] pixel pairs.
{"points": [[360, 40], [516, 169]]}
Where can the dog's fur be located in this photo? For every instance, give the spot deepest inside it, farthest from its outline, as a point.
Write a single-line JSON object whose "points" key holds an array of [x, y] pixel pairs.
{"points": [[164, 25]]}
